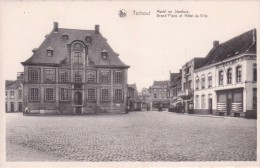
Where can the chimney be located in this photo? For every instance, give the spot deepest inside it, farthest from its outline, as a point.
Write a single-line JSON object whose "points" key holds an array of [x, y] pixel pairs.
{"points": [[215, 43], [97, 29], [55, 26]]}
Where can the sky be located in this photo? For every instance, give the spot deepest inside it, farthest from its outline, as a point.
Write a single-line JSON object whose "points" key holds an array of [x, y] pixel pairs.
{"points": [[152, 46]]}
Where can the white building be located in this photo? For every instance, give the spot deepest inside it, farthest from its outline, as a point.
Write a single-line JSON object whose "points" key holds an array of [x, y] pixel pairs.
{"points": [[225, 83]]}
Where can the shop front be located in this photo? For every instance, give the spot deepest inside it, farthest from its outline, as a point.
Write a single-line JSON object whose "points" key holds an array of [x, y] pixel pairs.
{"points": [[230, 102]]}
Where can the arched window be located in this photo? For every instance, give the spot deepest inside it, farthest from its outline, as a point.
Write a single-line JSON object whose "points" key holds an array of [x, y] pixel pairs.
{"points": [[229, 76], [203, 104], [202, 81], [209, 80], [239, 74], [77, 51], [197, 101], [197, 83], [220, 77]]}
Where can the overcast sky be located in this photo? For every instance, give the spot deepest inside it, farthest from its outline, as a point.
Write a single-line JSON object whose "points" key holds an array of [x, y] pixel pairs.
{"points": [[152, 46]]}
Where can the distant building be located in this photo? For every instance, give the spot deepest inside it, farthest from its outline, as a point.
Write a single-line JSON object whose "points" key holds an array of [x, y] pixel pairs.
{"points": [[134, 101], [159, 95], [146, 98], [226, 82], [75, 72], [14, 94], [175, 89], [188, 82]]}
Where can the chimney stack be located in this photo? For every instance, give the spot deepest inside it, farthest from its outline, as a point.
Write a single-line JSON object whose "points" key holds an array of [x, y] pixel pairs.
{"points": [[55, 26], [97, 29], [215, 43]]}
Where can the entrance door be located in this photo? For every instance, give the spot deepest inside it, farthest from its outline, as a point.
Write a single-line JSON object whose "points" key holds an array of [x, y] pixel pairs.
{"points": [[210, 106], [229, 103], [78, 98], [12, 106], [20, 106], [78, 110]]}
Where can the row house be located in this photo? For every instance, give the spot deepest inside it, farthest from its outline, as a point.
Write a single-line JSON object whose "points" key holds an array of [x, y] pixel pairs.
{"points": [[14, 94], [188, 82], [159, 95], [175, 88], [226, 81], [134, 101], [75, 72]]}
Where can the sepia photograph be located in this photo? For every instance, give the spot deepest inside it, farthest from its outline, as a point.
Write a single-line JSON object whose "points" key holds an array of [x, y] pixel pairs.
{"points": [[129, 83]]}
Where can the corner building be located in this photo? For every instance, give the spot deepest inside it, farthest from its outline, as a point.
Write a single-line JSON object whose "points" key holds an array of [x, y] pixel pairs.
{"points": [[75, 72], [226, 82]]}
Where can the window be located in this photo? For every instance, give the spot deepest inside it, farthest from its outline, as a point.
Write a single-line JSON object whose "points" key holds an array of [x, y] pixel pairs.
{"points": [[203, 83], [209, 81], [77, 52], [104, 55], [238, 74], [197, 101], [104, 95], [49, 53], [88, 39], [105, 77], [12, 94], [229, 76], [49, 75], [221, 77], [91, 94], [19, 94], [91, 76], [254, 73], [118, 77], [64, 94], [64, 75], [118, 95], [155, 96], [187, 70], [203, 101], [34, 94], [197, 84], [77, 57], [49, 94], [255, 98], [78, 76], [34, 75], [65, 37]]}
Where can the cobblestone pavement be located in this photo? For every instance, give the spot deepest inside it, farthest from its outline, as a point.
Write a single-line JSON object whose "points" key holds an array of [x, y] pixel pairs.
{"points": [[137, 136]]}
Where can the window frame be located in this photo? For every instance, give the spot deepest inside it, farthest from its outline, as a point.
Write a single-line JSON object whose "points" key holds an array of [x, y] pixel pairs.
{"points": [[47, 76], [118, 97], [38, 94], [78, 74], [102, 96], [62, 77], [229, 76], [238, 74], [91, 98], [31, 77], [46, 98], [118, 79], [221, 77], [64, 95], [88, 75]]}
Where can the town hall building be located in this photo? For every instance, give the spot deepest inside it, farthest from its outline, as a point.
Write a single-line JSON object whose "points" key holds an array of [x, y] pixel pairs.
{"points": [[74, 72]]}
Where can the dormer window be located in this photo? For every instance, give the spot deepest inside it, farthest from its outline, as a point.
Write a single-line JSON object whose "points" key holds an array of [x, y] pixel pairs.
{"points": [[104, 54], [88, 39], [49, 52], [65, 37]]}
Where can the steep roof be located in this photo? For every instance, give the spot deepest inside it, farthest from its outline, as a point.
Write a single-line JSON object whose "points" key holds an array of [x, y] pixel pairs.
{"points": [[173, 76], [60, 48], [244, 43], [9, 84], [132, 86], [160, 83]]}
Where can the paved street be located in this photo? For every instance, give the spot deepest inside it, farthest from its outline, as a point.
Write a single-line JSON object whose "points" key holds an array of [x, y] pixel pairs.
{"points": [[137, 136]]}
